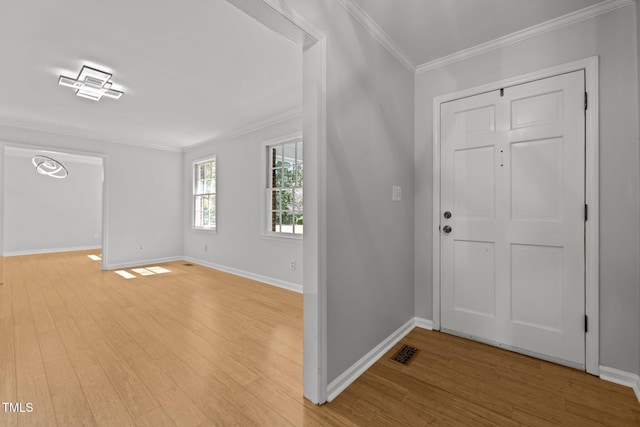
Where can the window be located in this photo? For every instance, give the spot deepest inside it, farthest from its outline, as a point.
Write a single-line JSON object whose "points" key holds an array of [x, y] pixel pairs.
{"points": [[204, 194], [284, 188]]}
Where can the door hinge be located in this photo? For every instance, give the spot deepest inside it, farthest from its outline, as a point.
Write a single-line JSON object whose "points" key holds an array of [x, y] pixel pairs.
{"points": [[586, 212], [586, 101], [586, 323], [501, 91]]}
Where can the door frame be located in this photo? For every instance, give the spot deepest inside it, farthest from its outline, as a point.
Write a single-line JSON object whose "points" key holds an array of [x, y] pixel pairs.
{"points": [[592, 285]]}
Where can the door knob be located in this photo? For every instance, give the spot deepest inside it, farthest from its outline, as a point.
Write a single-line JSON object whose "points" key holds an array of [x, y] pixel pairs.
{"points": [[447, 229], [447, 214]]}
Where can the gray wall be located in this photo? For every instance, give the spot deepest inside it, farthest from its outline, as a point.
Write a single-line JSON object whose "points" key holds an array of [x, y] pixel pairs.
{"points": [[144, 190], [238, 244], [611, 37], [45, 214], [370, 144]]}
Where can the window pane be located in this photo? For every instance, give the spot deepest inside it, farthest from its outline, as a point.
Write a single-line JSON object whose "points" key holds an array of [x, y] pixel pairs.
{"points": [[276, 178], [281, 199], [298, 224], [287, 222], [277, 156], [199, 179], [287, 200], [289, 151], [211, 218], [299, 176], [212, 203], [276, 221], [299, 152], [289, 175], [297, 200]]}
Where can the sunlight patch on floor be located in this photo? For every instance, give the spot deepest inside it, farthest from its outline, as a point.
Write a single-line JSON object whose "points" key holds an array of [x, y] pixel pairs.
{"points": [[143, 271], [158, 270], [125, 274]]}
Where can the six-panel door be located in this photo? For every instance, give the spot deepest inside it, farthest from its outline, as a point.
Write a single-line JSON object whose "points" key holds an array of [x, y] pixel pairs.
{"points": [[512, 176]]}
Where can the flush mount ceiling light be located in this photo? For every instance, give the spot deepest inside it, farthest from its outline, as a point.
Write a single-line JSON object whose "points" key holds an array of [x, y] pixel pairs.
{"points": [[48, 166], [91, 83]]}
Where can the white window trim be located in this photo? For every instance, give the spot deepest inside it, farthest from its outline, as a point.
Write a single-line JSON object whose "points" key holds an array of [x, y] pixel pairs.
{"points": [[266, 205], [194, 163]]}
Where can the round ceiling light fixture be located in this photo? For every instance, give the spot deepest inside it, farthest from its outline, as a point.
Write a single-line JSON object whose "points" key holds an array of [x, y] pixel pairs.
{"points": [[50, 167]]}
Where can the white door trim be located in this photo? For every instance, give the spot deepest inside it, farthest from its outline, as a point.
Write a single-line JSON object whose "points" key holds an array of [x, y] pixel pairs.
{"points": [[590, 67]]}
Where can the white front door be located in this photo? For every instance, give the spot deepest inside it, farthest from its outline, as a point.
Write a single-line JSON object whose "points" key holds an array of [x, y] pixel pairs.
{"points": [[512, 219]]}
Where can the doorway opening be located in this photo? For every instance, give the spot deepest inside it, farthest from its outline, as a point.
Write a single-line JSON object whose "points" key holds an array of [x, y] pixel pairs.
{"points": [[292, 26], [46, 212]]}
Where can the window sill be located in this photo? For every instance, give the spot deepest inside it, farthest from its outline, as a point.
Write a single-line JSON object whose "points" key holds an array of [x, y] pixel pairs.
{"points": [[282, 238], [208, 230]]}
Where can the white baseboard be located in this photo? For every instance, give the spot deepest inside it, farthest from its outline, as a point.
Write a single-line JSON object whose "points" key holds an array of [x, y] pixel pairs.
{"points": [[142, 262], [253, 276], [617, 376], [338, 385], [423, 323], [50, 250]]}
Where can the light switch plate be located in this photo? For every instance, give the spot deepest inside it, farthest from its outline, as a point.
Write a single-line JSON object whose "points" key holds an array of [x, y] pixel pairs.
{"points": [[396, 193]]}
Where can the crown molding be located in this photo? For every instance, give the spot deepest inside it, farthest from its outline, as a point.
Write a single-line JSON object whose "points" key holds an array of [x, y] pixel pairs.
{"points": [[370, 25], [518, 36], [65, 157], [253, 127], [78, 133]]}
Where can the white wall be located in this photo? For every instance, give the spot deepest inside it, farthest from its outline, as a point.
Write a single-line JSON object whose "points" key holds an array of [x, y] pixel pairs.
{"points": [[143, 190], [45, 214], [611, 37], [239, 245], [370, 144]]}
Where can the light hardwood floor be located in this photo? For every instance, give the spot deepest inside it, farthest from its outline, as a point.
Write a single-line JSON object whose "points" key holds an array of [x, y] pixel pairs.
{"points": [[198, 347]]}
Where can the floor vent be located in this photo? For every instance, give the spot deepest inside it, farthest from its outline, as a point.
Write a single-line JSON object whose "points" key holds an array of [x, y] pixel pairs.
{"points": [[188, 264], [405, 355]]}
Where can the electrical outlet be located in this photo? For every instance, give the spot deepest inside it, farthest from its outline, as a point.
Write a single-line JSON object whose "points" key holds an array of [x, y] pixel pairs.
{"points": [[292, 264], [206, 248], [141, 247]]}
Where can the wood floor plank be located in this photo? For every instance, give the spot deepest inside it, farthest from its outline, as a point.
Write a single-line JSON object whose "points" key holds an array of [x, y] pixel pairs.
{"points": [[67, 395], [199, 347], [8, 391], [103, 400]]}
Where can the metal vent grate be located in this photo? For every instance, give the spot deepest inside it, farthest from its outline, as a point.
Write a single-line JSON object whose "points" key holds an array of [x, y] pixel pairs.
{"points": [[405, 355]]}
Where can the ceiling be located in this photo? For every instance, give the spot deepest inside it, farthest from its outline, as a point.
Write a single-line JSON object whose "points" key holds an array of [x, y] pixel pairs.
{"points": [[195, 70], [191, 70]]}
